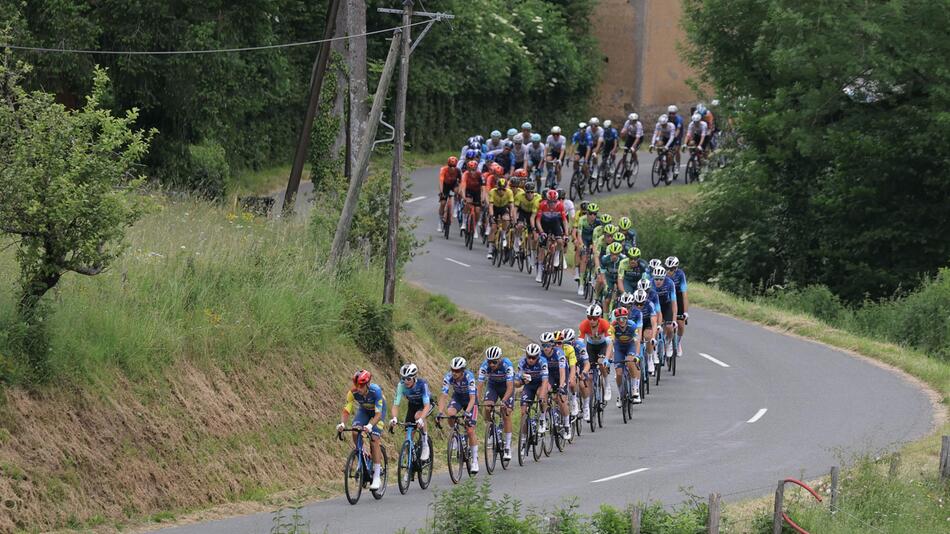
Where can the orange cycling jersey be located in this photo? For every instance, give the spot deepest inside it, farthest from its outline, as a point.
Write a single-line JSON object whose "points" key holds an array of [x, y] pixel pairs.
{"points": [[600, 336], [472, 181], [448, 176]]}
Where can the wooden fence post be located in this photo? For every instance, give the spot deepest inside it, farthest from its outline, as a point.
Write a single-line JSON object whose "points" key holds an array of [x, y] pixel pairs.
{"points": [[945, 458], [713, 526], [834, 489], [895, 464], [636, 514], [777, 512]]}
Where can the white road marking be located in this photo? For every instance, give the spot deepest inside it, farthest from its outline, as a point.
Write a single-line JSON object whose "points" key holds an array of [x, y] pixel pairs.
{"points": [[411, 200], [758, 415], [714, 360], [458, 262], [635, 471], [575, 303]]}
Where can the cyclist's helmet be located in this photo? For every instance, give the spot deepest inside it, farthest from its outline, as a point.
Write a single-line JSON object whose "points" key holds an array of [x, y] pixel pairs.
{"points": [[501, 183], [643, 284], [609, 229], [633, 117], [458, 362], [512, 132], [362, 377], [605, 218], [526, 125], [664, 119], [633, 253], [535, 138], [583, 206], [480, 139], [655, 264], [489, 157], [546, 337], [453, 161], [474, 145], [625, 223], [696, 117], [558, 336], [493, 353], [408, 371], [498, 169], [509, 144], [581, 125], [626, 299], [472, 165], [621, 313], [658, 273], [518, 139], [533, 350], [672, 109], [495, 134], [594, 121], [608, 123], [614, 248], [593, 207], [595, 311], [555, 130], [640, 296], [551, 195], [521, 173], [569, 335], [619, 237], [672, 262], [515, 182], [560, 194], [529, 187], [471, 154], [701, 108]]}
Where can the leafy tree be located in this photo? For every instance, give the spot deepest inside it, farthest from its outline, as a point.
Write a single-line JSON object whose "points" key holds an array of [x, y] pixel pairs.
{"points": [[68, 183], [844, 180]]}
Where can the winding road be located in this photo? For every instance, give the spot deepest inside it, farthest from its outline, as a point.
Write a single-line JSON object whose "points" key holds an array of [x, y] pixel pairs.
{"points": [[748, 406]]}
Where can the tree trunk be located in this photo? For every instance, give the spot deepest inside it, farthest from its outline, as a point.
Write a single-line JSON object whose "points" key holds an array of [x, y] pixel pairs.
{"points": [[359, 92], [338, 50], [44, 280]]}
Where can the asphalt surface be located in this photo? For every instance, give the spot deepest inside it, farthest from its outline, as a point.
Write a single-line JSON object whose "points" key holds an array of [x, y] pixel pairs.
{"points": [[759, 406]]}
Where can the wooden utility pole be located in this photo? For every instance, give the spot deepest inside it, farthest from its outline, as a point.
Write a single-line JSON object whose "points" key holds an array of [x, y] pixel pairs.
{"points": [[316, 85], [365, 148], [395, 184], [359, 93], [777, 519], [714, 513], [834, 489]]}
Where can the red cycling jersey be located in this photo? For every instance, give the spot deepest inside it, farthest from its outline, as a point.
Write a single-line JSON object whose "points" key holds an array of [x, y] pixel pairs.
{"points": [[548, 211], [585, 332], [471, 181], [448, 176]]}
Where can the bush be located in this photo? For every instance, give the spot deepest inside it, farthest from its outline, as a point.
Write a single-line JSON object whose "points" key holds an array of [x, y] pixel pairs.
{"points": [[368, 324], [202, 169], [469, 509], [815, 300]]}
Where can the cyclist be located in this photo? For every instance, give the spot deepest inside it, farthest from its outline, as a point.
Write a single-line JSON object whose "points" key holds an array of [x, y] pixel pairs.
{"points": [[526, 131], [550, 222], [499, 374], [495, 143], [666, 291], [677, 120], [366, 400], [631, 270], [568, 204], [569, 338], [571, 358], [682, 299], [633, 133], [534, 154], [557, 379], [556, 150], [520, 150], [510, 136], [472, 185], [651, 332], [582, 142], [609, 138], [505, 156], [648, 314], [597, 136], [527, 202], [449, 178], [594, 333], [664, 135], [626, 226], [605, 221], [603, 237], [609, 266], [627, 327], [533, 374], [464, 394], [709, 119], [470, 155], [417, 391], [696, 134], [501, 208], [583, 239]]}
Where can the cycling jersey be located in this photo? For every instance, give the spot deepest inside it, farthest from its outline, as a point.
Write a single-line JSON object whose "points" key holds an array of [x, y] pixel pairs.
{"points": [[631, 271], [520, 153], [631, 240], [555, 145], [627, 335], [501, 198], [582, 139], [551, 215], [556, 362], [610, 266], [491, 146], [535, 154], [647, 311], [599, 244], [654, 298], [679, 281], [461, 388], [633, 128], [527, 205], [666, 291], [371, 401], [666, 132], [502, 373], [417, 394], [587, 229], [569, 353], [472, 182], [710, 121], [595, 135], [677, 121], [598, 335], [697, 129], [598, 230], [506, 160], [569, 208], [580, 351], [538, 371], [610, 137]]}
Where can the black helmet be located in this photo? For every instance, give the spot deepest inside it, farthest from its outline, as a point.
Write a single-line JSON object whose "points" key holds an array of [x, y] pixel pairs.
{"points": [[560, 194]]}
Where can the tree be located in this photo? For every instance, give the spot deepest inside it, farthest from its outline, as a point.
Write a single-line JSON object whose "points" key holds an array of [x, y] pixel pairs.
{"points": [[68, 183]]}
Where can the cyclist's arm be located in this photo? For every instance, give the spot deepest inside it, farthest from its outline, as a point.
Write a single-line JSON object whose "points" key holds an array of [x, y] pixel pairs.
{"points": [[426, 401], [347, 408], [396, 400]]}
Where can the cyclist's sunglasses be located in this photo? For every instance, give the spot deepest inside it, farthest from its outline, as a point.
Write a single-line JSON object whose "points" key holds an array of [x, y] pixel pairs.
{"points": [[547, 345], [531, 357]]}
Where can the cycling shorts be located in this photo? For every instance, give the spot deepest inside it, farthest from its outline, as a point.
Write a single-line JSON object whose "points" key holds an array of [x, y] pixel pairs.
{"points": [[525, 217], [474, 196], [647, 321], [553, 226], [495, 391], [554, 154], [629, 142], [679, 305], [500, 212], [414, 407], [608, 146], [530, 392], [594, 352], [459, 404], [678, 141], [621, 352], [582, 151], [363, 417], [667, 308]]}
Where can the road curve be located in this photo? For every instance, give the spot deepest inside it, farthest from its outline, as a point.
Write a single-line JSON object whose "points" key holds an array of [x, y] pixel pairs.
{"points": [[748, 406]]}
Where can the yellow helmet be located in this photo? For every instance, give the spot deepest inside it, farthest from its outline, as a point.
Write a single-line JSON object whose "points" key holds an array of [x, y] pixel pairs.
{"points": [[625, 223], [614, 248], [620, 236]]}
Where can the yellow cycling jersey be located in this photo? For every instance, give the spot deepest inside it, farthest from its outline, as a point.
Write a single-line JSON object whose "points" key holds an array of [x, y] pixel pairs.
{"points": [[570, 354], [501, 198], [525, 205]]}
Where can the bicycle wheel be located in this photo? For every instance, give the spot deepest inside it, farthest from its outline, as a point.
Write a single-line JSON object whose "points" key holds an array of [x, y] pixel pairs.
{"points": [[624, 396], [489, 445], [353, 477], [469, 234], [578, 420], [404, 469], [673, 359], [547, 440], [383, 475], [547, 275], [606, 176], [425, 467], [620, 171], [629, 405], [454, 458], [535, 438], [657, 174], [445, 226], [692, 171], [657, 370], [592, 182], [510, 250], [631, 173], [592, 406], [558, 434], [600, 404], [524, 440]]}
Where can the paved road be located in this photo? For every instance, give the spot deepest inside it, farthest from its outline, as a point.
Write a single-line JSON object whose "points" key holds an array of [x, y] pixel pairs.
{"points": [[758, 407]]}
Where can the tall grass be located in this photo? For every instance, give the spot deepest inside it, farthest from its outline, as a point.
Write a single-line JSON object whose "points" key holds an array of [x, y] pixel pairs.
{"points": [[200, 281]]}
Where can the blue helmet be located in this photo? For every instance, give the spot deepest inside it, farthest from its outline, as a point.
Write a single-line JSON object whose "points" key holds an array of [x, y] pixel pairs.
{"points": [[701, 109], [475, 145], [535, 138], [489, 157], [471, 154]]}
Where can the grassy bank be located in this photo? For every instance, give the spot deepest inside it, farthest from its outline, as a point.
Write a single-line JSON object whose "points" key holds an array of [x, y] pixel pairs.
{"points": [[208, 366]]}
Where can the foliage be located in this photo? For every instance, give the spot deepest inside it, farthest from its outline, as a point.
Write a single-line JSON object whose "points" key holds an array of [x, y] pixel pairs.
{"points": [[369, 324], [292, 523], [827, 190], [326, 168]]}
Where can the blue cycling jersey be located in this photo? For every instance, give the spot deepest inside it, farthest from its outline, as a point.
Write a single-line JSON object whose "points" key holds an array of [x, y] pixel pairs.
{"points": [[666, 291], [538, 370], [648, 309], [628, 334], [679, 281], [503, 372], [611, 134], [417, 394], [464, 386], [556, 360], [580, 350], [582, 138]]}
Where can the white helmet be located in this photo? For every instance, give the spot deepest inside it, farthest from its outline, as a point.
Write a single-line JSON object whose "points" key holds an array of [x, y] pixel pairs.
{"points": [[697, 117], [519, 138], [408, 371], [582, 125], [633, 117], [664, 119], [594, 121], [659, 272], [643, 284], [626, 299], [569, 335], [672, 262], [493, 353], [533, 349], [654, 263], [458, 362], [640, 296], [555, 129], [512, 132], [526, 125], [546, 337], [594, 310], [672, 109], [714, 103], [495, 134], [607, 123]]}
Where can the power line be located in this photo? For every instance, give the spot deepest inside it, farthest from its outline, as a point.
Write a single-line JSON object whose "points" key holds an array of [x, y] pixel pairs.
{"points": [[195, 52]]}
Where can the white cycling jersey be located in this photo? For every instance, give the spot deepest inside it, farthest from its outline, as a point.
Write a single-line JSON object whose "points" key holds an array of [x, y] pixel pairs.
{"points": [[595, 135], [697, 128], [636, 127], [557, 144], [668, 131]]}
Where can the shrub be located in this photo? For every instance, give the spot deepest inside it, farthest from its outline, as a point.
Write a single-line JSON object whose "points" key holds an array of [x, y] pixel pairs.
{"points": [[368, 324], [816, 300]]}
